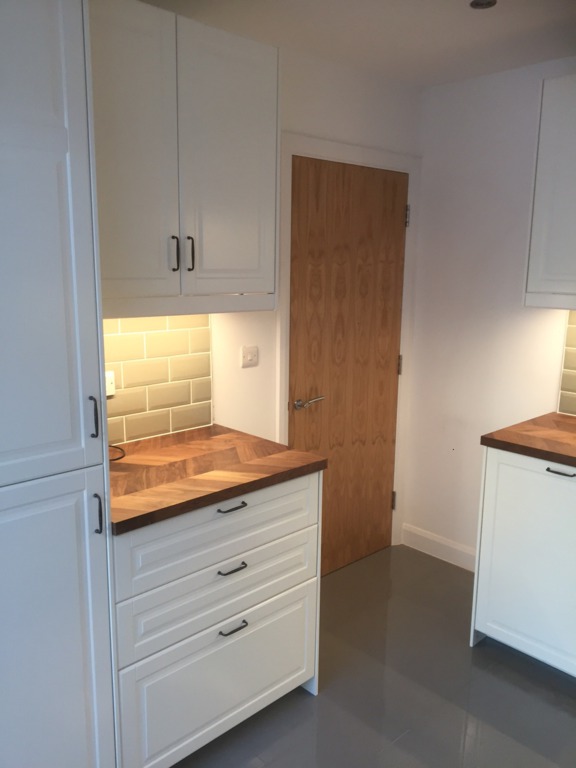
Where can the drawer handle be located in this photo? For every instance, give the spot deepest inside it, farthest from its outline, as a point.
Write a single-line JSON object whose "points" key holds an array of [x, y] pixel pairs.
{"points": [[233, 631], [234, 570], [232, 509], [564, 474]]}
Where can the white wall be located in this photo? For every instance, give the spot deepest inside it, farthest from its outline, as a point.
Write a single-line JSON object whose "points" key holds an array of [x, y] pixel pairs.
{"points": [[332, 102], [481, 360]]}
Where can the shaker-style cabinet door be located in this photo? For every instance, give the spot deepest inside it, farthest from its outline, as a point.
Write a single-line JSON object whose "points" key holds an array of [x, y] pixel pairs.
{"points": [[552, 267], [50, 400], [135, 134], [227, 120], [55, 668]]}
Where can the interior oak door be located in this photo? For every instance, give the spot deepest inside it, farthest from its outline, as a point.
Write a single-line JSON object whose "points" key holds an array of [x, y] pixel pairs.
{"points": [[347, 265]]}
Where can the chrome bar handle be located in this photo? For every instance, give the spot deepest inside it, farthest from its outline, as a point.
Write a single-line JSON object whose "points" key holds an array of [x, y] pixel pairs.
{"points": [[300, 404]]}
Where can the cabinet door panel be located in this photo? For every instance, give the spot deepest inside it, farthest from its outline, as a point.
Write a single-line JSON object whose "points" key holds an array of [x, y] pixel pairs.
{"points": [[176, 701], [48, 326], [552, 268], [135, 123], [56, 701], [526, 583], [227, 100]]}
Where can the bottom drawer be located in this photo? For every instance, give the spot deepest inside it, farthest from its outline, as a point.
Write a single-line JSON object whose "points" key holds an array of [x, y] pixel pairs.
{"points": [[179, 699]]}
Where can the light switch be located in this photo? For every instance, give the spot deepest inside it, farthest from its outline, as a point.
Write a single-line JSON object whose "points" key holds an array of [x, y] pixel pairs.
{"points": [[249, 357]]}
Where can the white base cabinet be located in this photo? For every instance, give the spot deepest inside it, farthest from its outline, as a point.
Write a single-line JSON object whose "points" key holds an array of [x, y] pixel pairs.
{"points": [[525, 585], [55, 669], [216, 617]]}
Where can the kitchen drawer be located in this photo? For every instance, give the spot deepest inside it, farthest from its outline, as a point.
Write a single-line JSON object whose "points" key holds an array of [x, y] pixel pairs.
{"points": [[159, 553], [161, 617], [179, 699]]}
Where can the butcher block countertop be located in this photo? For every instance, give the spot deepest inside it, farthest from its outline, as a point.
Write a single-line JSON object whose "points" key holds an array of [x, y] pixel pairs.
{"points": [[551, 437], [161, 477]]}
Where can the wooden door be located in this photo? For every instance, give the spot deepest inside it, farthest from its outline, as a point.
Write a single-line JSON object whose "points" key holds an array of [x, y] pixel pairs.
{"points": [[348, 234]]}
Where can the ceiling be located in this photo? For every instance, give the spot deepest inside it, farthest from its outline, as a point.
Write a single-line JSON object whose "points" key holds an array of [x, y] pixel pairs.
{"points": [[416, 42]]}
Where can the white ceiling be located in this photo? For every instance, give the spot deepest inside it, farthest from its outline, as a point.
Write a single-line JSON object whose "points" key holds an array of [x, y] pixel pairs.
{"points": [[417, 42]]}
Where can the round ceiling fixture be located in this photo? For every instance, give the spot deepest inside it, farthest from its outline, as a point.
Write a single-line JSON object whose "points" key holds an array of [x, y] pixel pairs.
{"points": [[483, 3]]}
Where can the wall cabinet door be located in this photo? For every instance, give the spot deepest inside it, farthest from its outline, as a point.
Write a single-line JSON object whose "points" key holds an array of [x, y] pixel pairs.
{"points": [[56, 699], [552, 266], [227, 108], [186, 151], [49, 386], [136, 147], [526, 571]]}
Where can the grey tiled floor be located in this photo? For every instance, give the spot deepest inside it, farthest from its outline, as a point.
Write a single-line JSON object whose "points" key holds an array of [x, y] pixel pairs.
{"points": [[400, 687]]}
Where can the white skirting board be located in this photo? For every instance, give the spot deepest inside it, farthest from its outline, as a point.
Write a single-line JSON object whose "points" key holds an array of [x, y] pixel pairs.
{"points": [[439, 546]]}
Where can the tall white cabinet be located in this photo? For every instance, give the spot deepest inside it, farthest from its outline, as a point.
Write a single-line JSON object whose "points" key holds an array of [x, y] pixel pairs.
{"points": [[55, 668], [186, 154]]}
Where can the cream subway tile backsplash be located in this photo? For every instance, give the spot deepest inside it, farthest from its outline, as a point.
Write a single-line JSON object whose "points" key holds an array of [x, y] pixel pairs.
{"points": [[567, 402], [162, 370]]}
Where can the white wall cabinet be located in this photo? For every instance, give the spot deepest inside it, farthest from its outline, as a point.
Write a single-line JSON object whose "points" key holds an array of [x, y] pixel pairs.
{"points": [[49, 386], [552, 263], [217, 616], [186, 154], [525, 585], [55, 655]]}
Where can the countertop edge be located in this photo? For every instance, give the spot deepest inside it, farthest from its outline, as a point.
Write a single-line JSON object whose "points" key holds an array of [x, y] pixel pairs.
{"points": [[142, 519]]}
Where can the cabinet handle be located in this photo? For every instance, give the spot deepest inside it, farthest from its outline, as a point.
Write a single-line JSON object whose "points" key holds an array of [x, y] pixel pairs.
{"points": [[192, 254], [96, 432], [100, 528], [557, 472], [234, 570], [177, 267], [233, 631], [232, 509]]}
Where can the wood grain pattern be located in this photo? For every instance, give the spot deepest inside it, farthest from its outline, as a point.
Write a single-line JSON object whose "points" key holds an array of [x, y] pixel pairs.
{"points": [[551, 437], [167, 476], [347, 270]]}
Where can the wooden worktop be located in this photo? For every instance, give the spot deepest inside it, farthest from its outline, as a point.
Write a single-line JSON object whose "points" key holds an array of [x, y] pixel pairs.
{"points": [[551, 437], [161, 477]]}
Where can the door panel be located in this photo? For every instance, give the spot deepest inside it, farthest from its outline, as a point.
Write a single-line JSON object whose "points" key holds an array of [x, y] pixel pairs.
{"points": [[348, 234]]}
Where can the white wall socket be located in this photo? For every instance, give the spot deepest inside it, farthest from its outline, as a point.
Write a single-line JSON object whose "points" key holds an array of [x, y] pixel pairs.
{"points": [[110, 383], [249, 357]]}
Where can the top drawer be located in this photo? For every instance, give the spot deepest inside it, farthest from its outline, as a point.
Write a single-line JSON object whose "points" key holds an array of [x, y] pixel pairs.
{"points": [[159, 553]]}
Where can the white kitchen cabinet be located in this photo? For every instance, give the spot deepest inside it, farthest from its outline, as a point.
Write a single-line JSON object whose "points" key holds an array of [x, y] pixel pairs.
{"points": [[50, 405], [216, 616], [56, 690], [525, 585], [552, 263], [56, 706], [186, 153]]}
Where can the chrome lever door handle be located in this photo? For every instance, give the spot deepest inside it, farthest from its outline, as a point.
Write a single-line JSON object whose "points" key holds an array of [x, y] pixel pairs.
{"points": [[300, 404]]}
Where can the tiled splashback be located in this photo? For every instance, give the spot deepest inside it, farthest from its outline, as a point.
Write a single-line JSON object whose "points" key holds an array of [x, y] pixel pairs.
{"points": [[568, 386], [162, 369]]}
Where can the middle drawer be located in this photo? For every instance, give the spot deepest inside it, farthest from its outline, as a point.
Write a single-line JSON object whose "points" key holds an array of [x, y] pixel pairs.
{"points": [[163, 616]]}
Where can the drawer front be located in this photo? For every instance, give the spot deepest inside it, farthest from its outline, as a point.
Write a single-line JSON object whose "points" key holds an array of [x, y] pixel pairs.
{"points": [[157, 619], [157, 554], [177, 700]]}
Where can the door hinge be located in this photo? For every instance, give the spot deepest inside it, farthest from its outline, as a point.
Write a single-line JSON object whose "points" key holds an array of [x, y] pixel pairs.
{"points": [[407, 217], [393, 500], [399, 365]]}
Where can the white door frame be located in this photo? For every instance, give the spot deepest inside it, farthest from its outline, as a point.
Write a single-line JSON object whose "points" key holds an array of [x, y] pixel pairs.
{"points": [[324, 149]]}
